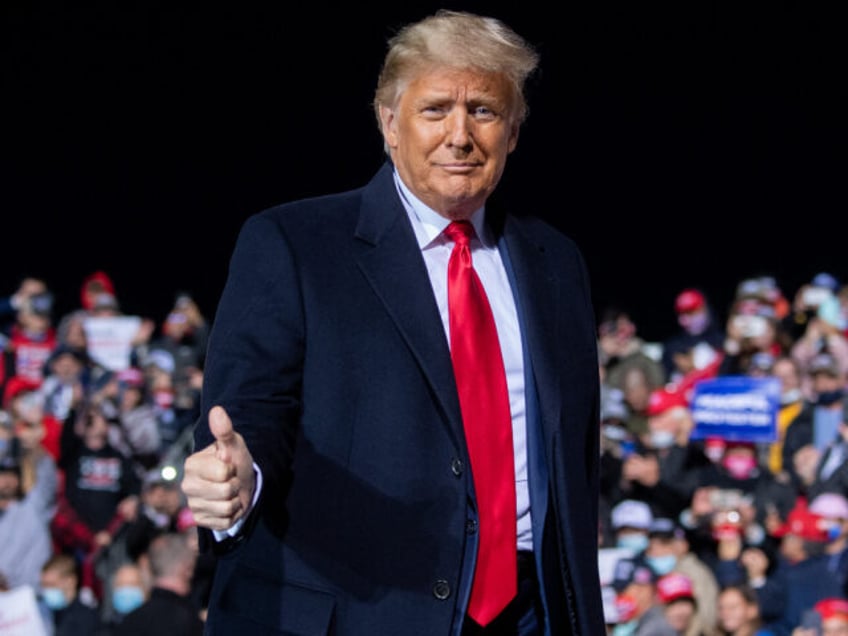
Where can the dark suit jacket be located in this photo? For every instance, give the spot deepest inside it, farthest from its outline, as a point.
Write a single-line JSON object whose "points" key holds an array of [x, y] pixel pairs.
{"points": [[163, 614], [329, 354]]}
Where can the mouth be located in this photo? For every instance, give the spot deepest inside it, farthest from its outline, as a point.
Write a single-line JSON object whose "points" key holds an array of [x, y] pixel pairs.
{"points": [[460, 167]]}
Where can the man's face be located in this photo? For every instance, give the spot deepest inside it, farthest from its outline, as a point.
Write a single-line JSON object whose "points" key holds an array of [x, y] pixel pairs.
{"points": [[449, 136], [734, 611]]}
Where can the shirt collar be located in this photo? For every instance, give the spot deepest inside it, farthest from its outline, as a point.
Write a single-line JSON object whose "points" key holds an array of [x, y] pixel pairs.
{"points": [[429, 224]]}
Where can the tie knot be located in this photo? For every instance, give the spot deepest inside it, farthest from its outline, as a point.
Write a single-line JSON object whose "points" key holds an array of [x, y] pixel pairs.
{"points": [[459, 232]]}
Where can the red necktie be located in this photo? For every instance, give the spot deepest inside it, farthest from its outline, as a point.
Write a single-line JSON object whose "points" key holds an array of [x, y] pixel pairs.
{"points": [[484, 402]]}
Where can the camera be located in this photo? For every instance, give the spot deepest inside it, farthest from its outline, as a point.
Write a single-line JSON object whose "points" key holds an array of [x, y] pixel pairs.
{"points": [[750, 326], [727, 499], [815, 296]]}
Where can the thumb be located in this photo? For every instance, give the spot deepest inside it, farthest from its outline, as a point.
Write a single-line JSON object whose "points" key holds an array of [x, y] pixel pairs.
{"points": [[221, 427]]}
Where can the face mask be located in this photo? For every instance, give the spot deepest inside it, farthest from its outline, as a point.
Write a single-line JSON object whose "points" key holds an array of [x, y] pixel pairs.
{"points": [[635, 542], [739, 466], [625, 629], [662, 564], [790, 396], [125, 599], [662, 439], [694, 324], [827, 398], [54, 598]]}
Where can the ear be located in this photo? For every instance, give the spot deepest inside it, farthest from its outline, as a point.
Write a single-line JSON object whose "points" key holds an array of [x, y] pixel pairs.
{"points": [[388, 124], [513, 136]]}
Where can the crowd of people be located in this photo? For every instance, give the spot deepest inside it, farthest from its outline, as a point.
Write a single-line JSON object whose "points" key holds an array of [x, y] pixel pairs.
{"points": [[699, 535], [704, 533], [97, 413]]}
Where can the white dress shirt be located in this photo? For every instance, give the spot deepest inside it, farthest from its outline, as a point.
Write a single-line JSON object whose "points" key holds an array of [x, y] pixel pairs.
{"points": [[436, 249]]}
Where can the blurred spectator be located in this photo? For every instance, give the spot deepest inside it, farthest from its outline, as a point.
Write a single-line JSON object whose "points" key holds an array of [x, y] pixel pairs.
{"points": [[37, 432], [111, 337], [818, 445], [738, 494], [677, 596], [71, 614], [617, 442], [622, 348], [24, 526], [127, 589], [792, 405], [630, 521], [100, 493], [94, 286], [801, 576], [134, 429], [664, 469], [765, 291], [702, 362], [739, 612], [184, 335], [169, 611], [699, 331], [825, 334], [32, 339], [9, 305], [805, 304], [65, 381], [752, 328], [832, 507], [638, 608], [161, 503], [636, 389], [668, 553], [829, 617]]}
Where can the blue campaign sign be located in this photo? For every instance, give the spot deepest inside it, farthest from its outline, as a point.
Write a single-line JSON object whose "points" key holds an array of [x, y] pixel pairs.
{"points": [[738, 408]]}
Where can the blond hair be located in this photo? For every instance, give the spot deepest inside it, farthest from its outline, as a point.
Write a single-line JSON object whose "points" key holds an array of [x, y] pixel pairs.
{"points": [[456, 39]]}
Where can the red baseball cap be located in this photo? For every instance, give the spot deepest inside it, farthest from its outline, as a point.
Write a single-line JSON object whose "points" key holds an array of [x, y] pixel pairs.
{"points": [[804, 524], [675, 586], [661, 400], [830, 607], [689, 300]]}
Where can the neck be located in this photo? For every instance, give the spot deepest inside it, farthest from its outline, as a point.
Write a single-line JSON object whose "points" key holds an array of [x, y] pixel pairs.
{"points": [[174, 584]]}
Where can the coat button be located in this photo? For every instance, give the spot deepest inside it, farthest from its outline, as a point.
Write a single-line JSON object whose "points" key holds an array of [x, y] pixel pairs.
{"points": [[471, 526], [441, 589], [456, 466]]}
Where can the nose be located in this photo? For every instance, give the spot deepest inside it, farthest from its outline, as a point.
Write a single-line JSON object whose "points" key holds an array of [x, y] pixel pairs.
{"points": [[458, 130]]}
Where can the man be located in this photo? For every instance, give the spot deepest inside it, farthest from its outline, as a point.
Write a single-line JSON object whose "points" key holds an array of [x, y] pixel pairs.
{"points": [[60, 592], [331, 354], [665, 467], [169, 610], [699, 330], [638, 606]]}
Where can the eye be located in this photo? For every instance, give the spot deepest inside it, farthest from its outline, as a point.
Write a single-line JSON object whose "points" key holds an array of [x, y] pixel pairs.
{"points": [[483, 113], [434, 111]]}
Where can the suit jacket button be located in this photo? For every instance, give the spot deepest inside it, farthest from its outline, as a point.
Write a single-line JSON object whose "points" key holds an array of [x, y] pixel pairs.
{"points": [[441, 589], [471, 526], [457, 466]]}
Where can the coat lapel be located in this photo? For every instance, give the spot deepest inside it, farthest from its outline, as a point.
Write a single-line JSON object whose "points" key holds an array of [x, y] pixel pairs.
{"points": [[536, 292], [391, 261]]}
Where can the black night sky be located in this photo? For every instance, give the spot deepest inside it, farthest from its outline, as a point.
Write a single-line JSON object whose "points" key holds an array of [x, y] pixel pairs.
{"points": [[680, 144]]}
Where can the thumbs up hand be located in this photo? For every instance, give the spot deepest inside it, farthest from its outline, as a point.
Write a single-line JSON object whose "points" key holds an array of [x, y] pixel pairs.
{"points": [[219, 481]]}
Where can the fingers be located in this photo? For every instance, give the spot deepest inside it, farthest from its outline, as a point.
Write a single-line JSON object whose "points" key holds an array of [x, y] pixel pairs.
{"points": [[221, 427], [218, 480], [212, 490]]}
